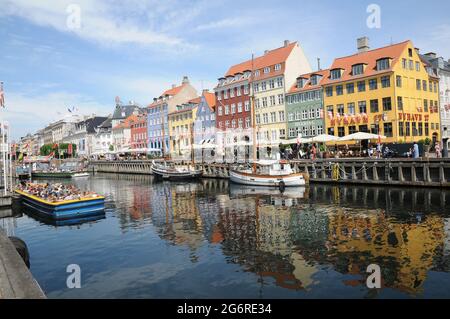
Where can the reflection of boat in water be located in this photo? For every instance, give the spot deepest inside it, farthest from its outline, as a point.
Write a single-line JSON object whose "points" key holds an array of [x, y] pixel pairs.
{"points": [[175, 173], [64, 222], [64, 209], [271, 174], [237, 190]]}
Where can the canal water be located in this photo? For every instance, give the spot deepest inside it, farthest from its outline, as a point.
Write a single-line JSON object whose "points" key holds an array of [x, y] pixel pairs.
{"points": [[212, 239]]}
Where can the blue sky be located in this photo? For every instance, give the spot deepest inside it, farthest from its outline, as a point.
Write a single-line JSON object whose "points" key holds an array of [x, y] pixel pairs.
{"points": [[136, 49]]}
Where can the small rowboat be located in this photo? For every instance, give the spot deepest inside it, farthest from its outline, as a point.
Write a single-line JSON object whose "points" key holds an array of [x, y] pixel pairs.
{"points": [[84, 174], [65, 209]]}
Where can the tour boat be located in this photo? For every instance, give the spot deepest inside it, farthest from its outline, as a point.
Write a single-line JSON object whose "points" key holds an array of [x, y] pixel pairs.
{"points": [[64, 209], [273, 174], [175, 173], [52, 174]]}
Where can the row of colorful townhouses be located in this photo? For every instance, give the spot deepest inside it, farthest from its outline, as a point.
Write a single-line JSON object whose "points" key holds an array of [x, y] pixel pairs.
{"points": [[393, 91]]}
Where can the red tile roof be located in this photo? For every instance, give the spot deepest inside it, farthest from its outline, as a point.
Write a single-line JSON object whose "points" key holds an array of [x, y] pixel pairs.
{"points": [[370, 59], [197, 100], [170, 92], [210, 99], [308, 86], [272, 57], [127, 122]]}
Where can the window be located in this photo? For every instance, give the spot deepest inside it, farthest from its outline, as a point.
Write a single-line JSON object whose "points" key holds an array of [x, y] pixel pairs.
{"points": [[361, 86], [239, 107], [352, 130], [247, 106], [401, 131], [280, 98], [417, 66], [329, 91], [258, 118], [387, 129], [247, 122], [273, 117], [336, 74], [233, 123], [277, 67], [291, 117], [399, 81], [238, 91], [265, 118], [405, 64], [387, 104], [386, 81], [435, 87], [330, 110], [292, 132], [257, 103], [331, 131], [357, 69], [227, 110], [264, 102], [267, 70], [341, 131], [263, 86], [272, 84], [420, 129], [414, 129], [281, 116], [418, 85], [350, 88], [351, 108], [410, 52], [424, 85], [411, 65], [382, 64], [375, 129], [364, 129], [340, 109], [374, 106], [427, 129], [246, 89], [280, 82], [314, 80], [240, 123], [425, 105], [232, 93], [225, 94], [319, 129], [256, 73], [233, 108], [339, 90], [373, 84], [256, 87], [220, 110], [400, 103], [272, 100], [362, 105], [407, 129]]}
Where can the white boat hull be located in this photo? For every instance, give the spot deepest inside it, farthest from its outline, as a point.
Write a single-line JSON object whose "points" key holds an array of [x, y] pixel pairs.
{"points": [[291, 180]]}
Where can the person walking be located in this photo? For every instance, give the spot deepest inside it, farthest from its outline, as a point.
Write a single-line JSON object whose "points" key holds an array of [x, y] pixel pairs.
{"points": [[437, 148], [313, 152], [416, 150]]}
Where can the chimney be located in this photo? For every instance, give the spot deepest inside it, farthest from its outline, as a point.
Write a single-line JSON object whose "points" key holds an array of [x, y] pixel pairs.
{"points": [[266, 51], [286, 43], [155, 99], [185, 80], [363, 44], [431, 55], [174, 86], [318, 64]]}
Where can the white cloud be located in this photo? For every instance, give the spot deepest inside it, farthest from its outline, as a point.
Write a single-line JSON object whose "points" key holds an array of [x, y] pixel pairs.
{"points": [[98, 22], [235, 22], [28, 113]]}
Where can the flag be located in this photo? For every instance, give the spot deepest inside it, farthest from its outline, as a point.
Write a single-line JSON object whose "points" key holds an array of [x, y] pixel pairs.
{"points": [[2, 95]]}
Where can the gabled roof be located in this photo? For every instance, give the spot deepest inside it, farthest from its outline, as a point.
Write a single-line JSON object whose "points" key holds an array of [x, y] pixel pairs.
{"points": [[308, 86], [127, 122], [107, 123], [173, 91], [272, 57], [369, 58], [210, 99], [126, 109], [197, 100]]}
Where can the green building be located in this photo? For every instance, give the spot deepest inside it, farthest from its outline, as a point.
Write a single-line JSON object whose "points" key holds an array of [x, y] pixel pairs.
{"points": [[304, 106]]}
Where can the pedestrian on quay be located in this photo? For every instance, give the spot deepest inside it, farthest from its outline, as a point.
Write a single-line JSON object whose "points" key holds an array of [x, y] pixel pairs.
{"points": [[416, 152], [437, 149], [313, 152]]}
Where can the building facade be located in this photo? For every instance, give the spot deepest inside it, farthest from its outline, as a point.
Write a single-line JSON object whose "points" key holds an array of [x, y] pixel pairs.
{"points": [[157, 118], [386, 91], [121, 134], [441, 68], [304, 106], [205, 127], [139, 133], [102, 141], [83, 135]]}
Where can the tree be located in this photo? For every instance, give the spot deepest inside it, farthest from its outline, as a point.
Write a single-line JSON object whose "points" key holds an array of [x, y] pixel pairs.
{"points": [[61, 150]]}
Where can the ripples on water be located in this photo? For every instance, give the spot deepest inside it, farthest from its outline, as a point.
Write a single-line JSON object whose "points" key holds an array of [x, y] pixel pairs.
{"points": [[214, 240]]}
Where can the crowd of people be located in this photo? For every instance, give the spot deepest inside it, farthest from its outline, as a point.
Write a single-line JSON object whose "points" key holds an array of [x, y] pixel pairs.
{"points": [[55, 192]]}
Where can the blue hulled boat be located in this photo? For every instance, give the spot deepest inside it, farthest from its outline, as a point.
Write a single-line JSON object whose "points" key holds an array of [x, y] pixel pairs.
{"points": [[64, 209]]}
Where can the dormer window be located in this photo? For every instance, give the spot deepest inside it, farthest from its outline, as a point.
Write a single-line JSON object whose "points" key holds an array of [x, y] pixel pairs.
{"points": [[383, 64], [336, 74], [315, 79], [358, 69], [301, 82], [257, 73], [266, 70], [277, 67]]}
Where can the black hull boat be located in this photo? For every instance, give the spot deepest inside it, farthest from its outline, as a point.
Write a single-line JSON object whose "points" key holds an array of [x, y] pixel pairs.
{"points": [[179, 173]]}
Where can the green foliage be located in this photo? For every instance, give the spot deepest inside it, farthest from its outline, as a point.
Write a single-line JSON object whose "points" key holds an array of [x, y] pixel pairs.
{"points": [[62, 150], [111, 148]]}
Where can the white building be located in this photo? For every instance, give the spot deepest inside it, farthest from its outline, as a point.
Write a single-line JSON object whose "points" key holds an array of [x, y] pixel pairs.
{"points": [[103, 139]]}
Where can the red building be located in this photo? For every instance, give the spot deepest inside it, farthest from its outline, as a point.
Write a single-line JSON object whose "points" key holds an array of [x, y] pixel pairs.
{"points": [[233, 101], [139, 132]]}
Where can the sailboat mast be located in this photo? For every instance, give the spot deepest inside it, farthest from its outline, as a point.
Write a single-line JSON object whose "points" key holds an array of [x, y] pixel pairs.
{"points": [[163, 131], [253, 115]]}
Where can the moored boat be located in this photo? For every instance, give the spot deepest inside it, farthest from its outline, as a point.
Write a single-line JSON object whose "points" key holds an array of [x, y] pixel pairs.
{"points": [[82, 206], [272, 174], [49, 174], [82, 174], [175, 173]]}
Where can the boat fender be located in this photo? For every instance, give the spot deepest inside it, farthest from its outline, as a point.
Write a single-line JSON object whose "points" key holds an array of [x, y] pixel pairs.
{"points": [[282, 186], [22, 249]]}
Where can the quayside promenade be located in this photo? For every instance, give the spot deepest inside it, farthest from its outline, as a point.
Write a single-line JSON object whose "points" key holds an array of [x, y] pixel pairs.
{"points": [[399, 172]]}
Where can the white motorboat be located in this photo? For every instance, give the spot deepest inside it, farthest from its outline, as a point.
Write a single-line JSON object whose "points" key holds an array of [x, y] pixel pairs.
{"points": [[175, 173], [83, 174], [275, 174]]}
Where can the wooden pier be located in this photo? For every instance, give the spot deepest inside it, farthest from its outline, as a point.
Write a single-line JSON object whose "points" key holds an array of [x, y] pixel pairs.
{"points": [[396, 172]]}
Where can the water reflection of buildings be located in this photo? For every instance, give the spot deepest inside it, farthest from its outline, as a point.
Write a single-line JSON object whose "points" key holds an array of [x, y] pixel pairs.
{"points": [[288, 239]]}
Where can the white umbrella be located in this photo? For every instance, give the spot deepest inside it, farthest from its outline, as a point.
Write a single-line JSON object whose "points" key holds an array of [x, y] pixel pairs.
{"points": [[324, 138], [298, 140], [361, 136]]}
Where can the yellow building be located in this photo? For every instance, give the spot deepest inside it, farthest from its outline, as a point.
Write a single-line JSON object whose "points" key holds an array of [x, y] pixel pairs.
{"points": [[385, 91], [181, 129]]}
